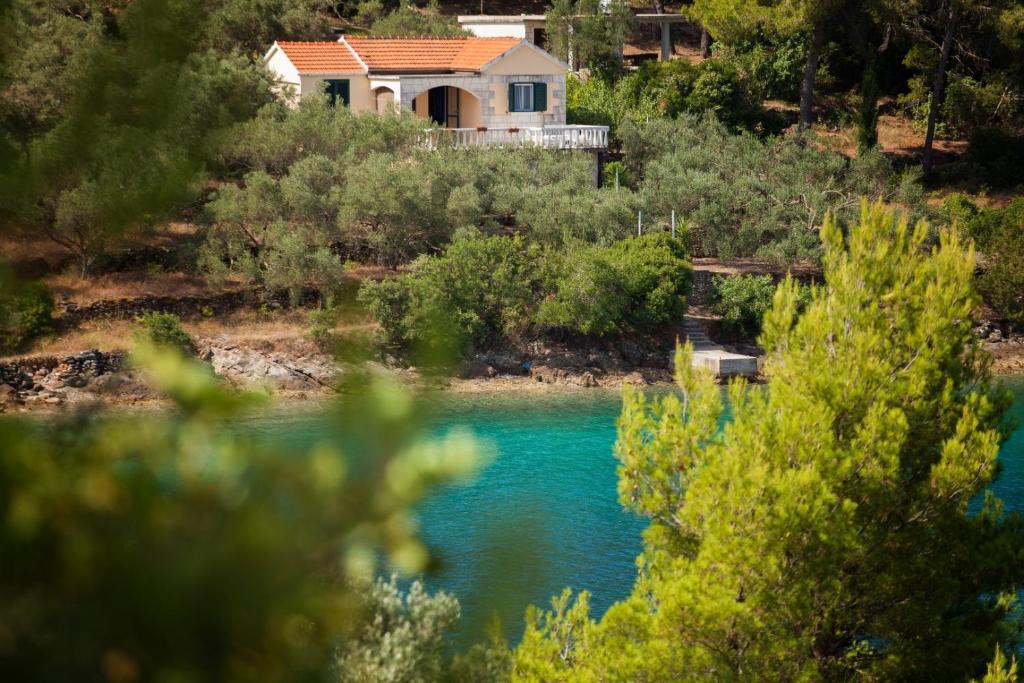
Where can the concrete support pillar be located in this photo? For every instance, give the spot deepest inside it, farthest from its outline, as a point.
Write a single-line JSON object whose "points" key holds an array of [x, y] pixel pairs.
{"points": [[666, 41]]}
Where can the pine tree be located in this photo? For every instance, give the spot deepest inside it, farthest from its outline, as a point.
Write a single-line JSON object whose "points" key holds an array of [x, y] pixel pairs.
{"points": [[823, 532], [730, 19]]}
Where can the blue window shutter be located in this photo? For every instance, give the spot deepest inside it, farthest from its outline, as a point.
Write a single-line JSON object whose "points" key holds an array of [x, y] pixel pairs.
{"points": [[511, 97], [540, 96]]}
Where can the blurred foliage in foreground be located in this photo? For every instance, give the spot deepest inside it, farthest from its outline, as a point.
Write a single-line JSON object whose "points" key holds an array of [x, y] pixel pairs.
{"points": [[148, 547], [26, 311]]}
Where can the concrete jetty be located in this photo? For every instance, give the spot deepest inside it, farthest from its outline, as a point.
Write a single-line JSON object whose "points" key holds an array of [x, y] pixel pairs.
{"points": [[706, 354]]}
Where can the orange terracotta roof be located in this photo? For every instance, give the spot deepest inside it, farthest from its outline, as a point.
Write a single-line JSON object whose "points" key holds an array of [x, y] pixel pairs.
{"points": [[429, 54], [319, 57], [478, 52]]}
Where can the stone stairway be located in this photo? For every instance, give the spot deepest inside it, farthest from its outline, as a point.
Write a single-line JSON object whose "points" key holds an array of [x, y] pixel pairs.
{"points": [[697, 335]]}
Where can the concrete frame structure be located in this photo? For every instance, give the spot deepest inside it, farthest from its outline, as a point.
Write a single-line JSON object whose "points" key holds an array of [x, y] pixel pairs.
{"points": [[531, 27], [526, 25]]}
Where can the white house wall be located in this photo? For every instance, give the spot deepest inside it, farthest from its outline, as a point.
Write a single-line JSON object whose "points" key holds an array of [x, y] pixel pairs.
{"points": [[285, 74], [497, 30]]}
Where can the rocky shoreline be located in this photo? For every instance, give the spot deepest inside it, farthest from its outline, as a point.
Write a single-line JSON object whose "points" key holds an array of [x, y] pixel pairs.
{"points": [[299, 370], [1006, 346]]}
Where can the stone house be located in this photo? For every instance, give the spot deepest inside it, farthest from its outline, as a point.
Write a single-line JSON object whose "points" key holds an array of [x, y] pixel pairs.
{"points": [[486, 90]]}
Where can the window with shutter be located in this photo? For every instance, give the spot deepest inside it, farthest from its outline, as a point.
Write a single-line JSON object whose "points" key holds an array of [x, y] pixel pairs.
{"points": [[540, 97], [520, 97]]}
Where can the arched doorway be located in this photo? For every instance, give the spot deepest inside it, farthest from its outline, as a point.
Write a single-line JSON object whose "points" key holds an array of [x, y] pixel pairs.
{"points": [[384, 99], [449, 106]]}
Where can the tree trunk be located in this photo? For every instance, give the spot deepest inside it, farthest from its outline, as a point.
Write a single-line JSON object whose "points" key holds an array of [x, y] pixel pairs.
{"points": [[705, 43], [940, 86], [867, 119], [810, 73]]}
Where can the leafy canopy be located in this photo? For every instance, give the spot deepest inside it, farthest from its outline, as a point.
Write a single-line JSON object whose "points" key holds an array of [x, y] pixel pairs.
{"points": [[488, 289], [637, 285], [409, 20]]}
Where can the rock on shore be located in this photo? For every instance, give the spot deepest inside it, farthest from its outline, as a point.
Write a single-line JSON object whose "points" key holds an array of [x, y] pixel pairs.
{"points": [[306, 370], [97, 376]]}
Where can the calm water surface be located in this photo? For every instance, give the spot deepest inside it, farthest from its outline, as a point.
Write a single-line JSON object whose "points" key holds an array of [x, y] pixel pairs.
{"points": [[544, 513]]}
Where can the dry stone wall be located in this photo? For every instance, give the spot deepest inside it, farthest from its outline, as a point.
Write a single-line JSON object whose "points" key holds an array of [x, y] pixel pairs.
{"points": [[48, 379], [187, 307]]}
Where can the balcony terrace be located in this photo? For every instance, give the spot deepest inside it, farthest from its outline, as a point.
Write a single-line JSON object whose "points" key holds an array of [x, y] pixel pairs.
{"points": [[590, 138]]}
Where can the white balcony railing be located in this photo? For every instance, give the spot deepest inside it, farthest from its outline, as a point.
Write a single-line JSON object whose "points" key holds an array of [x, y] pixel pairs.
{"points": [[548, 137]]}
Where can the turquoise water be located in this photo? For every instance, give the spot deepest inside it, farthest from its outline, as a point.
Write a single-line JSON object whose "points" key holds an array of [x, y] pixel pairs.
{"points": [[544, 513], [1010, 484]]}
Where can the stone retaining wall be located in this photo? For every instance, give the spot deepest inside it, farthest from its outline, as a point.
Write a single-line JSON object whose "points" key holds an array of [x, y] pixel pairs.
{"points": [[93, 363], [703, 289], [187, 307], [48, 379]]}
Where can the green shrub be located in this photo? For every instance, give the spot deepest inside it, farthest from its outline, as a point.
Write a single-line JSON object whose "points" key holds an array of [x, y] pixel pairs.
{"points": [[483, 289], [957, 209], [719, 87], [322, 321], [742, 302], [970, 105], [636, 285], [165, 330], [588, 298], [479, 289], [599, 102], [665, 89], [26, 312], [617, 175], [987, 227], [983, 226], [997, 155], [773, 65], [1002, 284]]}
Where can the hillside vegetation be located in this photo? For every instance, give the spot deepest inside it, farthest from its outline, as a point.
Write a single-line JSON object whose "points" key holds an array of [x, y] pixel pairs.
{"points": [[836, 524]]}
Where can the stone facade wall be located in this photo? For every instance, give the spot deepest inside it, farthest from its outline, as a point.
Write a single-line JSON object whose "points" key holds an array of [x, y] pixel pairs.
{"points": [[492, 91]]}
